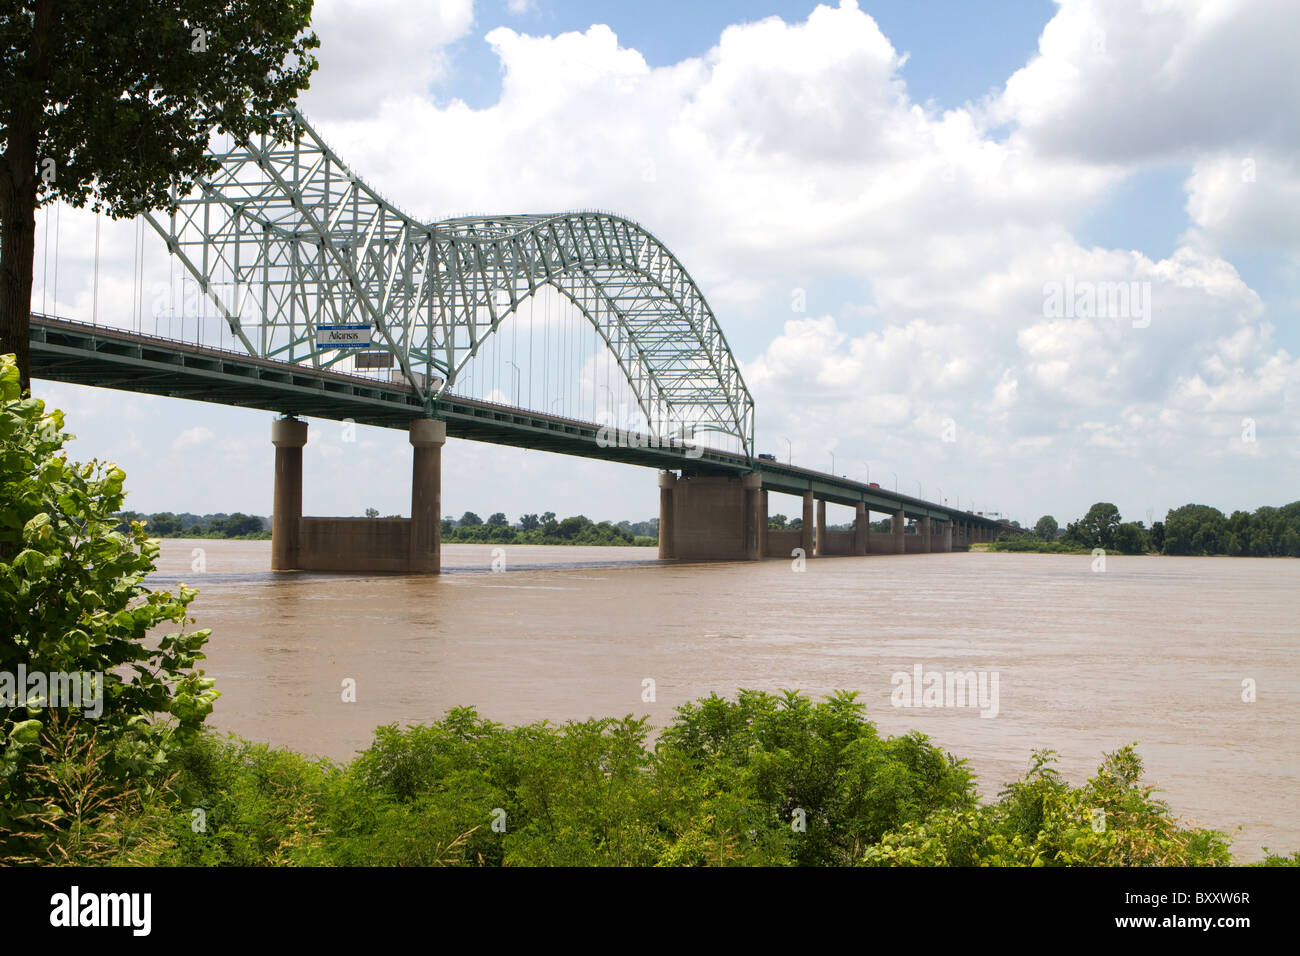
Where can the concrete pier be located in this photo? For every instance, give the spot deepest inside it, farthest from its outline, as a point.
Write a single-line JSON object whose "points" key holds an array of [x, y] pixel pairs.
{"points": [[710, 517], [288, 435], [806, 529], [862, 530], [427, 436], [822, 543], [667, 482], [755, 515], [898, 528], [401, 545], [926, 541]]}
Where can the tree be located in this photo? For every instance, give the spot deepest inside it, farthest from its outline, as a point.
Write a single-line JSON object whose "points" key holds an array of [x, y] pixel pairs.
{"points": [[776, 522], [498, 520], [1158, 536], [529, 522], [1046, 528], [113, 105], [1099, 524], [1196, 529], [73, 603], [372, 512], [470, 520], [1131, 538], [164, 524], [239, 524]]}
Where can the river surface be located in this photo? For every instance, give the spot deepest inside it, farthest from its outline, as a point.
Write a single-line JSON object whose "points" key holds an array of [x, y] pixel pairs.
{"points": [[1153, 650]]}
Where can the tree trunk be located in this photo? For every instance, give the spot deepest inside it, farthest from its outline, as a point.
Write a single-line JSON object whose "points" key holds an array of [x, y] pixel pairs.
{"points": [[18, 202], [17, 257]]}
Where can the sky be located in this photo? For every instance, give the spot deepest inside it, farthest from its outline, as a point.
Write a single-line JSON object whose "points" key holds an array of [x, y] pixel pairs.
{"points": [[1022, 255]]}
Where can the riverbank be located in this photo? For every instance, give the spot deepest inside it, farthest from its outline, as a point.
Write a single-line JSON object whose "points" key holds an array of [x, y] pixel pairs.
{"points": [[760, 780]]}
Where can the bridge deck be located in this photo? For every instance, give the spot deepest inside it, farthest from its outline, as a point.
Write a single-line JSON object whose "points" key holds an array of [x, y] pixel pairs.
{"points": [[84, 354]]}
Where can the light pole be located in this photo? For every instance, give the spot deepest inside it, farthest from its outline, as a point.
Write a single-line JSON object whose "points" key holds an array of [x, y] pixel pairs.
{"points": [[517, 376], [832, 463], [895, 474], [868, 464], [920, 490], [789, 452], [940, 494]]}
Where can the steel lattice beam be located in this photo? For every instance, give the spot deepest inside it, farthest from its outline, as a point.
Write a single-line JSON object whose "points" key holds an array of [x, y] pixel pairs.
{"points": [[285, 237]]}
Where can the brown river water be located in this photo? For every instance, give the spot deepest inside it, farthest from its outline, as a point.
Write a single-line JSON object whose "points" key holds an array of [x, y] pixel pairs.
{"points": [[1153, 650]]}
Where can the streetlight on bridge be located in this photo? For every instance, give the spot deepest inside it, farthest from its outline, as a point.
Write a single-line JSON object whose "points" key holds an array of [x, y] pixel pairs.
{"points": [[517, 376], [832, 463], [789, 452]]}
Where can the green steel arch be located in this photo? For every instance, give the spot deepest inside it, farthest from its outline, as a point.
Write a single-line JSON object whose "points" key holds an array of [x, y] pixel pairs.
{"points": [[284, 237]]}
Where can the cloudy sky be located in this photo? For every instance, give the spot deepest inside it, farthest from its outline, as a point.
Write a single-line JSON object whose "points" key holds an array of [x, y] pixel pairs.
{"points": [[900, 212]]}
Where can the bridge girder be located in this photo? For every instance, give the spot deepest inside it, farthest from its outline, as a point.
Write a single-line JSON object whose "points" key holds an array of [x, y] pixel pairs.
{"points": [[284, 237]]}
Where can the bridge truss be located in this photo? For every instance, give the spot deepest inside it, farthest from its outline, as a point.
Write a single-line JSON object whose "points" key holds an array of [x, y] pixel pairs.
{"points": [[284, 238]]}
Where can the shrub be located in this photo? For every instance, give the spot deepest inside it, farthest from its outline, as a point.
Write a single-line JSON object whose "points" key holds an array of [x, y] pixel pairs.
{"points": [[73, 602]]}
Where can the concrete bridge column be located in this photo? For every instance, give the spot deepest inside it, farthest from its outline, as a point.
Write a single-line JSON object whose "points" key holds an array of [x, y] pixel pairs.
{"points": [[667, 482], [900, 544], [762, 527], [822, 541], [427, 436], [755, 516], [861, 529], [288, 435], [806, 529], [947, 537], [926, 541]]}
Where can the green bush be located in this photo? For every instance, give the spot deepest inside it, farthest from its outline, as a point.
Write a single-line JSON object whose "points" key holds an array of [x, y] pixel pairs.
{"points": [[1112, 820], [73, 603]]}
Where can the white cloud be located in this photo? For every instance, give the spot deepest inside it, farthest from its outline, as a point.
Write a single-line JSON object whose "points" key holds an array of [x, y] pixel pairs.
{"points": [[1117, 81], [192, 437], [376, 50]]}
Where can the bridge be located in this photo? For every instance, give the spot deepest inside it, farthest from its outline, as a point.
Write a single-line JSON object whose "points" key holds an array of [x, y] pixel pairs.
{"points": [[337, 305]]}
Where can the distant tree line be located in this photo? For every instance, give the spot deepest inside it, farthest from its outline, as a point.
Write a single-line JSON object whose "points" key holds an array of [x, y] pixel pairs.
{"points": [[165, 524], [547, 528], [1189, 530]]}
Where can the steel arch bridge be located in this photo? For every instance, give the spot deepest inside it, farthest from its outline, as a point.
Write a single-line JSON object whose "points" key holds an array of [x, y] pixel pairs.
{"points": [[285, 237]]}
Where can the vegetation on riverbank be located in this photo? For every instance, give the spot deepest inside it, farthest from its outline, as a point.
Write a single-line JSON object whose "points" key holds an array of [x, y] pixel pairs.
{"points": [[165, 524], [550, 530], [764, 779], [543, 529], [1189, 530]]}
